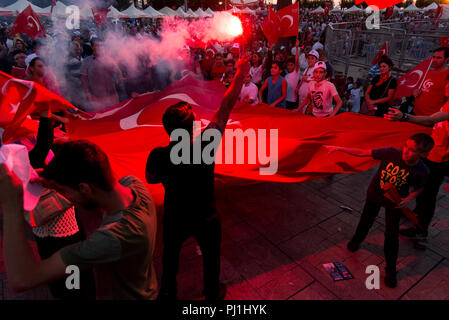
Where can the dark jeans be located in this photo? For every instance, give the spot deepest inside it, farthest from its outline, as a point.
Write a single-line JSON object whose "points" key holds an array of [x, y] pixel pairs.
{"points": [[426, 201], [50, 245], [208, 235], [391, 243]]}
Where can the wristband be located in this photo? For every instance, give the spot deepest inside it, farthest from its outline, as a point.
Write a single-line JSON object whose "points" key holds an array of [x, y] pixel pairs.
{"points": [[404, 117]]}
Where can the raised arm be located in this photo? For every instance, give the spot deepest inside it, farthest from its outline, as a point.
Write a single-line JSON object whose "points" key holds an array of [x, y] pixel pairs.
{"points": [[264, 86], [23, 270], [396, 115], [352, 151], [221, 116]]}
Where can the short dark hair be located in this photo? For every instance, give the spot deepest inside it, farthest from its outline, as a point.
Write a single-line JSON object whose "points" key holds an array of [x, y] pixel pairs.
{"points": [[387, 60], [445, 50], [218, 54], [80, 161], [424, 141], [178, 116], [18, 52], [230, 61], [278, 63], [291, 60], [33, 61]]}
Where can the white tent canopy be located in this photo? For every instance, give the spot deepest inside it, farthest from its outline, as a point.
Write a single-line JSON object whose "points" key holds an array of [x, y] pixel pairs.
{"points": [[318, 10], [432, 6], [353, 9], [235, 10], [191, 14], [59, 9], [395, 9], [201, 13], [181, 13], [21, 5], [411, 8], [169, 12], [209, 11], [248, 11], [335, 10], [133, 12], [153, 13], [113, 13]]}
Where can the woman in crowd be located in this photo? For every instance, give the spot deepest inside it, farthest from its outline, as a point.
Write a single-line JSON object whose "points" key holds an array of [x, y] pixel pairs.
{"points": [[381, 89]]}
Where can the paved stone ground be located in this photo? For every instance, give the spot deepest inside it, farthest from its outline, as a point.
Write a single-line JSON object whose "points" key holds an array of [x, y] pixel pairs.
{"points": [[277, 236]]}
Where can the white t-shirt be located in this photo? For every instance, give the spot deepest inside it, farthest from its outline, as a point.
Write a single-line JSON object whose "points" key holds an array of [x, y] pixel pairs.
{"points": [[321, 96], [303, 64], [302, 94], [249, 90], [292, 81], [355, 100], [256, 73]]}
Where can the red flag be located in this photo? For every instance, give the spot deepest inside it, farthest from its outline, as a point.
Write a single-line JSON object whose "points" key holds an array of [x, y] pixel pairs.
{"points": [[28, 23], [381, 4], [413, 79], [327, 7], [444, 41], [382, 52], [100, 15], [271, 26], [389, 12], [20, 98], [289, 18], [439, 12], [301, 155]]}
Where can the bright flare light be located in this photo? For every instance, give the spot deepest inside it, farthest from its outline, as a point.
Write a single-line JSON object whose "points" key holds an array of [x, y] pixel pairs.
{"points": [[235, 26]]}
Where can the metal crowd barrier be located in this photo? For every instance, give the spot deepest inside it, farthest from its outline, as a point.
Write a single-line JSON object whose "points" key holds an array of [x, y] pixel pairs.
{"points": [[351, 44]]}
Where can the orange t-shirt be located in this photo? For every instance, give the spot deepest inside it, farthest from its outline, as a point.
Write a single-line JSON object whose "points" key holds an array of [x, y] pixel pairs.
{"points": [[432, 96], [440, 134]]}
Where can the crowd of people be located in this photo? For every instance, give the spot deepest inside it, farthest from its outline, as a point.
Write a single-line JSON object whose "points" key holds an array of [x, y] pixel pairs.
{"points": [[91, 219]]}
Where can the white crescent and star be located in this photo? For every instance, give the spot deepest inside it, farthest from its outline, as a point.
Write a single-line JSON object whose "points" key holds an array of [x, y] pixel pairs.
{"points": [[419, 73], [33, 22], [289, 17]]}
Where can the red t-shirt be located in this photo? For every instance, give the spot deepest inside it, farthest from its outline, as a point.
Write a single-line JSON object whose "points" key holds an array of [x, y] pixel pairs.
{"points": [[440, 134], [432, 96], [19, 73], [217, 72]]}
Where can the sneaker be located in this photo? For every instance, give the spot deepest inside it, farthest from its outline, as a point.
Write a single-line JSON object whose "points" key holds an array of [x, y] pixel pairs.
{"points": [[420, 243], [390, 279], [353, 246]]}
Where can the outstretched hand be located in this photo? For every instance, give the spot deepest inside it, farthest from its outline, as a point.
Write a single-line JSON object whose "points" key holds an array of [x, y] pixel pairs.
{"points": [[331, 149], [243, 65], [393, 114]]}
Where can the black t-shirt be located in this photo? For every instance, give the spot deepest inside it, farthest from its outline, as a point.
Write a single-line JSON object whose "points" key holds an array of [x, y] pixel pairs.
{"points": [[189, 188], [394, 170], [381, 91]]}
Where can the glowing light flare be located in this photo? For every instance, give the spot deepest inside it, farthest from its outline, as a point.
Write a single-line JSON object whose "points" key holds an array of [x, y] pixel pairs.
{"points": [[235, 28]]}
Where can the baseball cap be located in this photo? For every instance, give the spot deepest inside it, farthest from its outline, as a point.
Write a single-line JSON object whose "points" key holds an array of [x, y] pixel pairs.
{"points": [[320, 64], [314, 53]]}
